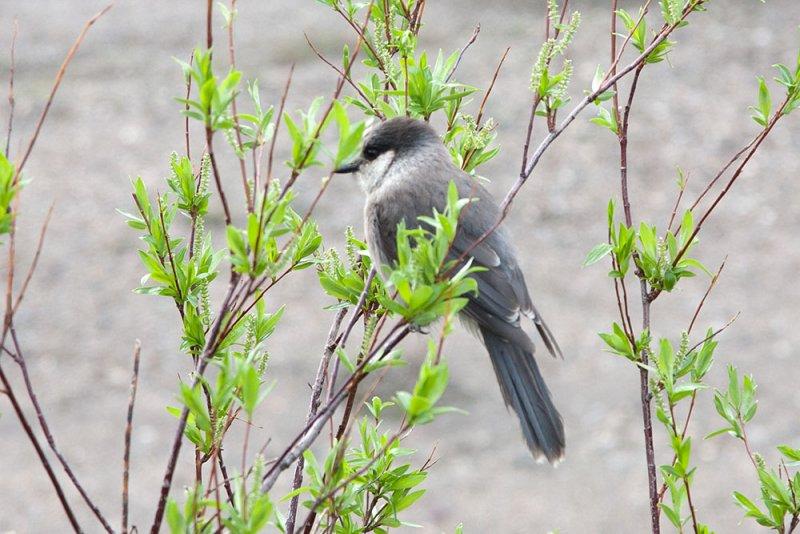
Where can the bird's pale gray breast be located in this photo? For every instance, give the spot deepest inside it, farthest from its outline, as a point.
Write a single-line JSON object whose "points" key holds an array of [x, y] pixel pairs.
{"points": [[372, 230]]}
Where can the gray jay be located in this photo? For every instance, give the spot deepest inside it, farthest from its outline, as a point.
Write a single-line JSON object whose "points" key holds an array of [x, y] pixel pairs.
{"points": [[405, 171]]}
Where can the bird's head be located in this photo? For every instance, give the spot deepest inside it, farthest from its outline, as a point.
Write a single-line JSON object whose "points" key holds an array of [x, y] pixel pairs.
{"points": [[391, 145]]}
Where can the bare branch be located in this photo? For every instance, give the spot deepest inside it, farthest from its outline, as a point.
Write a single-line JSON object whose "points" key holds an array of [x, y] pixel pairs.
{"points": [[309, 434], [12, 66], [137, 348], [533, 161], [316, 391], [35, 261], [346, 76], [491, 86], [39, 451], [724, 169], [217, 178], [212, 342], [277, 129], [753, 148], [48, 435], [464, 49], [59, 75], [179, 298], [308, 523], [357, 311], [186, 109], [237, 126], [711, 286], [681, 191]]}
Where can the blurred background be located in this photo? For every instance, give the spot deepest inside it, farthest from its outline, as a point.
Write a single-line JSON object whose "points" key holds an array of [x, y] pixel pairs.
{"points": [[115, 118]]}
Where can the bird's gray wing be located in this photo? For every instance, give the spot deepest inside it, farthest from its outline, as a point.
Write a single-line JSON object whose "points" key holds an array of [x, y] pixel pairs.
{"points": [[502, 293]]}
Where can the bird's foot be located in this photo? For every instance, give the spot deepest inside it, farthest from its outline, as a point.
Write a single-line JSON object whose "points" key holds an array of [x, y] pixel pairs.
{"points": [[417, 329]]}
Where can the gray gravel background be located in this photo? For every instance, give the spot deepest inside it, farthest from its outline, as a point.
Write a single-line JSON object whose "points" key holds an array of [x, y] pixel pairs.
{"points": [[114, 118]]}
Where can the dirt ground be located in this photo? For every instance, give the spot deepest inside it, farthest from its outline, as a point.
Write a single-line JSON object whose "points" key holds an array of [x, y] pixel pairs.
{"points": [[115, 118]]}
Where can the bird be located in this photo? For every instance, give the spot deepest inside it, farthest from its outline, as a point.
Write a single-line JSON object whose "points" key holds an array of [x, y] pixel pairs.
{"points": [[405, 170]]}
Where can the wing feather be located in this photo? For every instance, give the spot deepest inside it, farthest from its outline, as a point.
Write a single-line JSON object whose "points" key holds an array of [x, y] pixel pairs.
{"points": [[502, 293]]}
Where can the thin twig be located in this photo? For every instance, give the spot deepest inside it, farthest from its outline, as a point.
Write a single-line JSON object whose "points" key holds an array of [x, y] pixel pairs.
{"points": [[357, 311], [681, 191], [738, 172], [623, 146], [35, 261], [308, 435], [463, 51], [533, 161], [377, 456], [179, 298], [685, 477], [7, 324], [536, 99], [224, 470], [484, 100], [59, 75], [612, 70], [316, 391], [622, 137], [126, 458], [186, 110], [271, 152], [237, 127], [209, 24], [346, 76], [491, 86], [711, 286], [419, 11], [614, 59], [212, 343], [49, 435], [747, 447], [209, 131], [715, 333], [647, 418], [311, 207], [264, 219], [39, 451], [724, 169], [360, 31], [318, 130], [217, 178], [11, 69], [215, 485]]}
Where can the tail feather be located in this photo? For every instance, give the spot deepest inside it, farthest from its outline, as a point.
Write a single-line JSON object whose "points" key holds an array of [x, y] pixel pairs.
{"points": [[524, 390], [548, 338]]}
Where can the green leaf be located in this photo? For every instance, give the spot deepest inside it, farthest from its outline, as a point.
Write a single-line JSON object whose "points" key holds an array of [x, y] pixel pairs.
{"points": [[751, 509], [342, 355], [764, 100], [597, 253], [721, 431], [791, 454], [408, 500], [775, 487], [672, 515]]}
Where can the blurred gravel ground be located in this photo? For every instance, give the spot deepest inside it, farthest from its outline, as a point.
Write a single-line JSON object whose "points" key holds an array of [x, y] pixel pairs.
{"points": [[115, 118]]}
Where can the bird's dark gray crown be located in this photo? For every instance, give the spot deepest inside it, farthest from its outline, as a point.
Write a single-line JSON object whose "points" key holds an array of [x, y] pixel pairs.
{"points": [[401, 134]]}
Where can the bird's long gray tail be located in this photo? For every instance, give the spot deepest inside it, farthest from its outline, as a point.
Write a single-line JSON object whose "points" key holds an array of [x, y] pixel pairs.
{"points": [[525, 391]]}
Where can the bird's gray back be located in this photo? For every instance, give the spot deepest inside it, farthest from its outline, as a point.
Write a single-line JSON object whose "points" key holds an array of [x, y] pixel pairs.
{"points": [[417, 187]]}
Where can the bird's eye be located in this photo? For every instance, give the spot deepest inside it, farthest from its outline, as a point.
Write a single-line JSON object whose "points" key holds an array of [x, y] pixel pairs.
{"points": [[370, 152]]}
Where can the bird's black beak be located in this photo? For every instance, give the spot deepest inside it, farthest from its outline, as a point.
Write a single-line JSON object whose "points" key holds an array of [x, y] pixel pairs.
{"points": [[350, 167]]}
